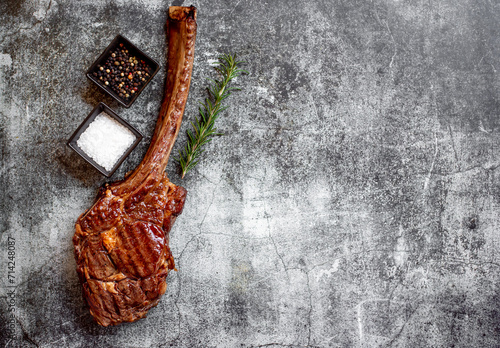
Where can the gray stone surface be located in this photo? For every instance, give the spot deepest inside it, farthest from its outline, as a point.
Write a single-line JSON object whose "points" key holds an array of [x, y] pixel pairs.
{"points": [[352, 201]]}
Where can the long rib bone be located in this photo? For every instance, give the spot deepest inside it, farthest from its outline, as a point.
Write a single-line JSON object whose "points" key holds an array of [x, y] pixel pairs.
{"points": [[121, 242]]}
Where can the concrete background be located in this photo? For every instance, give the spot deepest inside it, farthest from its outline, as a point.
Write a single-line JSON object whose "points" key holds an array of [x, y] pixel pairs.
{"points": [[351, 202]]}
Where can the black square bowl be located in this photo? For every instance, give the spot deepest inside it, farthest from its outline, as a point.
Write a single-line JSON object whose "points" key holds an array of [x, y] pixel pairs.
{"points": [[90, 118], [152, 65]]}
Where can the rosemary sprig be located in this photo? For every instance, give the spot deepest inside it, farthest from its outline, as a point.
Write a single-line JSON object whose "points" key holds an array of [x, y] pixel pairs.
{"points": [[203, 130]]}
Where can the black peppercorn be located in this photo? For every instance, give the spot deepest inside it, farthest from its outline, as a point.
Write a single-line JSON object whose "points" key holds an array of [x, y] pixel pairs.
{"points": [[123, 73]]}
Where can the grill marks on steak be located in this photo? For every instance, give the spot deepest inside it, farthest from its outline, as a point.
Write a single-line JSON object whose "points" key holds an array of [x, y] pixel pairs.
{"points": [[121, 242], [122, 251]]}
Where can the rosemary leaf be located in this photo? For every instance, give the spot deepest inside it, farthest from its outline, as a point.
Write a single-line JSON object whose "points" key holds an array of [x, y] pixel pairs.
{"points": [[204, 127]]}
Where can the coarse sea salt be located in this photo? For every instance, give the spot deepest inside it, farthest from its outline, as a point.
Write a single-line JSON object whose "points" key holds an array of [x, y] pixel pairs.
{"points": [[105, 140]]}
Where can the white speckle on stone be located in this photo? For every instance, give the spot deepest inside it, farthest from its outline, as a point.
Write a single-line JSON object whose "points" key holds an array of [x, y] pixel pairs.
{"points": [[319, 195], [263, 92], [151, 6], [329, 272], [255, 213], [40, 14], [54, 236], [5, 59], [255, 222], [400, 254]]}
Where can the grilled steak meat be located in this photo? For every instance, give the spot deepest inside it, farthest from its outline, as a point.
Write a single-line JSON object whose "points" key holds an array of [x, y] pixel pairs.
{"points": [[121, 242]]}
